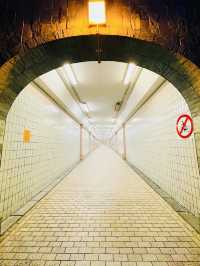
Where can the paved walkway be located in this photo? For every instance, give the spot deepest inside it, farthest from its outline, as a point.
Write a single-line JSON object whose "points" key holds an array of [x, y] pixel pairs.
{"points": [[102, 214]]}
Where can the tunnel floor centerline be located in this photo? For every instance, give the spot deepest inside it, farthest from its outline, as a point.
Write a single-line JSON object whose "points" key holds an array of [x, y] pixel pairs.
{"points": [[101, 214]]}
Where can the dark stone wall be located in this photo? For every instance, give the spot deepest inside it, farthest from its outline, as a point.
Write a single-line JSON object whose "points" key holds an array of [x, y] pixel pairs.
{"points": [[174, 24]]}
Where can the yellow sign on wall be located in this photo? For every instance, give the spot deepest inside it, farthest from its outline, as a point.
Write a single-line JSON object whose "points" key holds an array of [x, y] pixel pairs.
{"points": [[97, 12], [26, 136]]}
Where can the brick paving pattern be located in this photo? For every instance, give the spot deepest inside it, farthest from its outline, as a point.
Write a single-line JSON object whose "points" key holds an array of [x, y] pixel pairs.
{"points": [[102, 214]]}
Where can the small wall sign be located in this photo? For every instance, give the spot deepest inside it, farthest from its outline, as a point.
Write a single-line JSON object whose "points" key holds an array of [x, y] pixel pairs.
{"points": [[26, 136], [184, 126]]}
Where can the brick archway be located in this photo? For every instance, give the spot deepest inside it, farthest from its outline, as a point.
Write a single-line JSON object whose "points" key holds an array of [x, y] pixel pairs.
{"points": [[20, 70]]}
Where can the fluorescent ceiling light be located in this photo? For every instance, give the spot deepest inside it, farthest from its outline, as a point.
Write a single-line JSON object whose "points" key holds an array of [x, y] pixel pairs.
{"points": [[97, 12], [129, 73], [70, 74]]}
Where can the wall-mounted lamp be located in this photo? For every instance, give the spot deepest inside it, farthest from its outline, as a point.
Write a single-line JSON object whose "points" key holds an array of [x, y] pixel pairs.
{"points": [[129, 73], [118, 106], [70, 74], [97, 12]]}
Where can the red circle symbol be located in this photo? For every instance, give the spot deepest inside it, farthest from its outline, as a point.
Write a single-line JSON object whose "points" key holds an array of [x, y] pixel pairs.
{"points": [[184, 126]]}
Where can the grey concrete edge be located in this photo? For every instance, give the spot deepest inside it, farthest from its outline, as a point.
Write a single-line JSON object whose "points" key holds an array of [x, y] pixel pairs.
{"points": [[190, 218]]}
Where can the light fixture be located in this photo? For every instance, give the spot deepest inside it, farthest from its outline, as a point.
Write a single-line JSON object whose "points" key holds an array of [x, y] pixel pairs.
{"points": [[84, 107], [129, 73], [117, 106], [97, 12], [70, 74]]}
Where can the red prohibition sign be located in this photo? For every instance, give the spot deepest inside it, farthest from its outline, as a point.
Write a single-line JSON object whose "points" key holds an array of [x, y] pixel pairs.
{"points": [[184, 126]]}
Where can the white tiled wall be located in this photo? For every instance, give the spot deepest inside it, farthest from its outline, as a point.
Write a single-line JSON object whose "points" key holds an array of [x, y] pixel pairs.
{"points": [[53, 85], [147, 82], [154, 147], [117, 142], [86, 142], [54, 147], [94, 143]]}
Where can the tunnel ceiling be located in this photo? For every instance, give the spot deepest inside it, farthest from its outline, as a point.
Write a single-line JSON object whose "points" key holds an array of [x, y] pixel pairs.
{"points": [[97, 90], [101, 86], [172, 24]]}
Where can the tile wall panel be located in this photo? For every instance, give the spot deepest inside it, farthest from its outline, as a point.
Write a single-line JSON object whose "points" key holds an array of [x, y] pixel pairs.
{"points": [[117, 142], [154, 147], [86, 142], [120, 146], [53, 148]]}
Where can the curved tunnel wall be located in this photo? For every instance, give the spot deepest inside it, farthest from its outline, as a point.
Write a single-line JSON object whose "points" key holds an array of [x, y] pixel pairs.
{"points": [[18, 72], [153, 146], [54, 148]]}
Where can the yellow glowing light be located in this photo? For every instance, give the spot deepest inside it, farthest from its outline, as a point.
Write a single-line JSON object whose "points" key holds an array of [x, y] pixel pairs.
{"points": [[97, 12]]}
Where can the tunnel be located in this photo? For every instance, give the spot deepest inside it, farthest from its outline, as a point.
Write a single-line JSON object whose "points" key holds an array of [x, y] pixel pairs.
{"points": [[99, 133]]}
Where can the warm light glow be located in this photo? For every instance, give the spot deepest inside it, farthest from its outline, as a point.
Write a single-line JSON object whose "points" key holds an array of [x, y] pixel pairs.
{"points": [[129, 73], [70, 74], [97, 12]]}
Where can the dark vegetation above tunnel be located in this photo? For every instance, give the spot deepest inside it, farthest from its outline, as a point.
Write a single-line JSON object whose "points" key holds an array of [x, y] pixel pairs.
{"points": [[175, 24]]}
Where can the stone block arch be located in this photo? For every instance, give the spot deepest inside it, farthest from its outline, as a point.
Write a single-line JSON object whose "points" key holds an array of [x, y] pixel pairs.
{"points": [[28, 24]]}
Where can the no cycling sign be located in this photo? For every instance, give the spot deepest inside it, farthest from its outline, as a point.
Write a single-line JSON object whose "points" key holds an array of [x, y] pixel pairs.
{"points": [[184, 126]]}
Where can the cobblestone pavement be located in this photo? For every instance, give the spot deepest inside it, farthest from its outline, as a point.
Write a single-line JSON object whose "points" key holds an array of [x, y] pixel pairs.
{"points": [[102, 214]]}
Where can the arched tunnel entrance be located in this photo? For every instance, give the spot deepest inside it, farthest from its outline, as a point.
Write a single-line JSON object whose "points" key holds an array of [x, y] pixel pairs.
{"points": [[48, 126], [19, 71]]}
